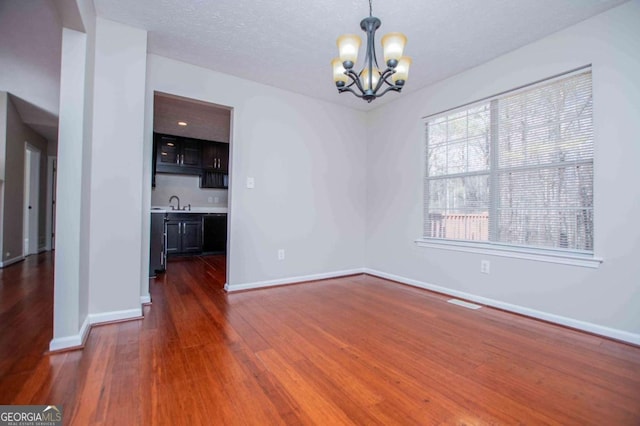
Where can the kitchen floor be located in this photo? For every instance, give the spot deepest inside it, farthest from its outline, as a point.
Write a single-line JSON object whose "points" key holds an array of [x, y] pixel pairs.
{"points": [[213, 266]]}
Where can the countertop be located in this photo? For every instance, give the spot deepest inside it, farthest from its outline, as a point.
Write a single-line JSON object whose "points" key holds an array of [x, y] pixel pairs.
{"points": [[167, 209]]}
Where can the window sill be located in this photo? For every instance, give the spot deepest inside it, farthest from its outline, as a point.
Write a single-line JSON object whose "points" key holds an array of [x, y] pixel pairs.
{"points": [[540, 255]]}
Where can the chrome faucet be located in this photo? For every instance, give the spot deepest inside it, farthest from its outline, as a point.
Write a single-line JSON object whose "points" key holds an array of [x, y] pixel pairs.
{"points": [[171, 199]]}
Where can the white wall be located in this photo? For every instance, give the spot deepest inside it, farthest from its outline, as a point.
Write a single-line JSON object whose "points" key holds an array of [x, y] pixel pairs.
{"points": [[187, 188], [87, 12], [70, 309], [116, 171], [30, 52], [606, 299], [307, 160]]}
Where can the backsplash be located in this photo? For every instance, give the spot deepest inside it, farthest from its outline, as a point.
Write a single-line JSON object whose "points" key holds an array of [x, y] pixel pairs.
{"points": [[187, 188]]}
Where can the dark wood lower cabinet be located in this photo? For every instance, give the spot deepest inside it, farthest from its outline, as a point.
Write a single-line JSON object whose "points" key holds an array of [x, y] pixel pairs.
{"points": [[215, 233], [192, 236], [157, 256], [184, 233]]}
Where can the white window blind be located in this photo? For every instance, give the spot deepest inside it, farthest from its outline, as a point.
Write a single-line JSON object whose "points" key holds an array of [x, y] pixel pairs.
{"points": [[516, 169]]}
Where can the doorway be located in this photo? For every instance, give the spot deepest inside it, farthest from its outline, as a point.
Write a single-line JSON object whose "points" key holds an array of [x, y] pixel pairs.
{"points": [[181, 126], [31, 200]]}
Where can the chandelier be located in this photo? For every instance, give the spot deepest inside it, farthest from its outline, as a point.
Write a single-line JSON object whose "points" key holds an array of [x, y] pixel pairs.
{"points": [[371, 83]]}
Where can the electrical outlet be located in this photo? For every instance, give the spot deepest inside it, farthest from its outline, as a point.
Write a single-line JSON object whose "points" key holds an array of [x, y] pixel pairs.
{"points": [[485, 266], [216, 200], [8, 254], [251, 183], [210, 199], [281, 254]]}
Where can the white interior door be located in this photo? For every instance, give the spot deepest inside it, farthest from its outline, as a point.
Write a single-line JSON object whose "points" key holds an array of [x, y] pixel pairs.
{"points": [[54, 178], [31, 200]]}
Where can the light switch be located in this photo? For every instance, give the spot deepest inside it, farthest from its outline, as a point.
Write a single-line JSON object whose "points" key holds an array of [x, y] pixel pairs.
{"points": [[251, 183]]}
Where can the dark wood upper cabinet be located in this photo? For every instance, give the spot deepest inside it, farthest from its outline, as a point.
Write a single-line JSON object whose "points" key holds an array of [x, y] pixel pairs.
{"points": [[215, 156], [215, 165], [178, 155], [168, 150], [187, 156], [191, 153]]}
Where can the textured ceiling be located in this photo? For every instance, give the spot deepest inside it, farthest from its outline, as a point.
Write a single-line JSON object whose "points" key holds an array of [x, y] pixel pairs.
{"points": [[290, 43]]}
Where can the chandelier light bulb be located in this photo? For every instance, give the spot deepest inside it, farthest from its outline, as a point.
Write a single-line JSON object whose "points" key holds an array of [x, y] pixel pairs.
{"points": [[402, 70], [348, 46], [375, 76], [338, 71], [393, 47]]}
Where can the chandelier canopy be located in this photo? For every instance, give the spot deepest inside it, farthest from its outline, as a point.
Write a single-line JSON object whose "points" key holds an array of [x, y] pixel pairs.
{"points": [[371, 83]]}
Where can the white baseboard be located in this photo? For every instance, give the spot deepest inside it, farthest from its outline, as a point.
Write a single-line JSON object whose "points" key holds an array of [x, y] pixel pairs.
{"points": [[145, 299], [71, 341], [115, 316], [8, 262], [291, 280], [557, 319], [77, 340]]}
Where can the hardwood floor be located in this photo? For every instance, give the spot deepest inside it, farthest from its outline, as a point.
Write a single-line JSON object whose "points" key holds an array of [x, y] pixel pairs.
{"points": [[355, 350]]}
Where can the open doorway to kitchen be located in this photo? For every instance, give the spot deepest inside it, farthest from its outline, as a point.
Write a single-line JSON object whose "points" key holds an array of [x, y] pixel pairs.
{"points": [[191, 165]]}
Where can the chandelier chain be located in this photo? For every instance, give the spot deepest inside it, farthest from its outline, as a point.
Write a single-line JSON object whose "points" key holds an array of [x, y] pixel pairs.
{"points": [[370, 9]]}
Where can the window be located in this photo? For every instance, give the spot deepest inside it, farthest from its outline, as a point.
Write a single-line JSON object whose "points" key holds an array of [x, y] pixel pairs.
{"points": [[515, 170]]}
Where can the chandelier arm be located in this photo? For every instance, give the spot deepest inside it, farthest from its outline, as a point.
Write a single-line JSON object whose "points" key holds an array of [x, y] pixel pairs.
{"points": [[369, 26], [349, 89], [383, 78], [369, 59], [356, 79], [390, 89]]}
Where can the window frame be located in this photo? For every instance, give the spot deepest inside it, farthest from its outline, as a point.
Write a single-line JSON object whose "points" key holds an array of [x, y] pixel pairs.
{"points": [[492, 247]]}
